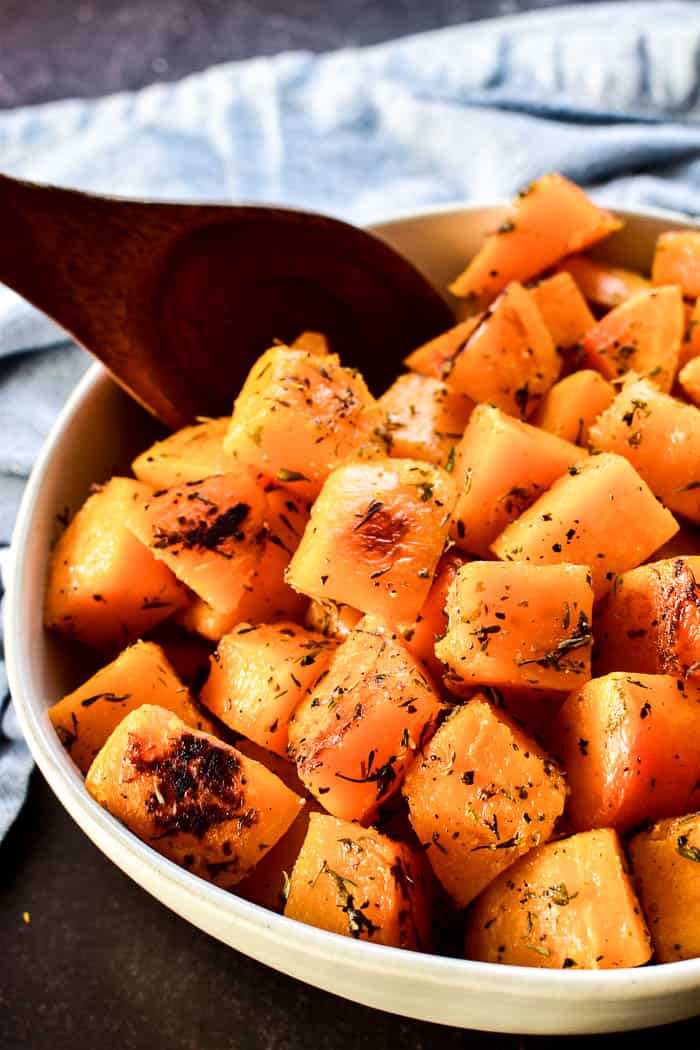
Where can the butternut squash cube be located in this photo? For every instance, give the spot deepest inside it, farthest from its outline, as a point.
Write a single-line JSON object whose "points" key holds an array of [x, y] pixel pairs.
{"points": [[689, 379], [199, 802], [375, 536], [665, 860], [423, 419], [140, 675], [572, 406], [104, 587], [602, 284], [601, 514], [480, 795], [258, 676], [431, 623], [435, 357], [518, 625], [564, 309], [549, 219], [677, 261], [189, 454], [354, 737], [660, 436], [630, 744], [546, 911], [298, 415], [211, 533], [501, 467], [357, 882], [510, 359], [650, 621], [331, 619], [643, 334]]}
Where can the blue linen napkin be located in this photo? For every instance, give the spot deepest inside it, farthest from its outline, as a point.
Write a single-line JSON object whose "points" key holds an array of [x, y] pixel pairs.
{"points": [[607, 94]]}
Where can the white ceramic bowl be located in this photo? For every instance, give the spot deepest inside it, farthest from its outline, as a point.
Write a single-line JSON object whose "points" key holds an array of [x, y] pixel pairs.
{"points": [[98, 431]]}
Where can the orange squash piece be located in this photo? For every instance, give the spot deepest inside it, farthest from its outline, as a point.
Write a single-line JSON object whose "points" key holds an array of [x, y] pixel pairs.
{"points": [[520, 626], [332, 619], [268, 883], [431, 623], [434, 357], [191, 797], [313, 342], [480, 795], [267, 596], [602, 284], [375, 536], [630, 744], [690, 347], [423, 419], [354, 737], [650, 621], [298, 415], [601, 514], [140, 675], [187, 455], [501, 467], [689, 379], [188, 654], [104, 587], [572, 406], [548, 220], [564, 309], [644, 335], [357, 882], [665, 860], [210, 533], [660, 436], [677, 261], [568, 904], [258, 676], [510, 359]]}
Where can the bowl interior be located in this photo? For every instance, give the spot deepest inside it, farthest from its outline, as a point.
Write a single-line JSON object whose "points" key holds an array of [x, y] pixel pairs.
{"points": [[97, 435]]}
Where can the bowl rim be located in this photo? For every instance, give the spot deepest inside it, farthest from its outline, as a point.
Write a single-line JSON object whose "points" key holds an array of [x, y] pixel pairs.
{"points": [[578, 985]]}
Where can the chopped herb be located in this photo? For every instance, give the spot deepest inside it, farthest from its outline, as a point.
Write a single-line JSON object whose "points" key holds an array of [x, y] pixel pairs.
{"points": [[290, 475], [686, 850]]}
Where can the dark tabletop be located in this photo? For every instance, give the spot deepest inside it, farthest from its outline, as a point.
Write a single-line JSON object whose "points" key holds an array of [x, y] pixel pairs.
{"points": [[101, 964]]}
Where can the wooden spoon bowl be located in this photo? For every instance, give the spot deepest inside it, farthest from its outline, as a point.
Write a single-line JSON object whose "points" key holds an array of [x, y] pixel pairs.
{"points": [[178, 300]]}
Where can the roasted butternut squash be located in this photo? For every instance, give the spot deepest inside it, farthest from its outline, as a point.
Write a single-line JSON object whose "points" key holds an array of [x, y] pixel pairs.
{"points": [[355, 735], [546, 910], [509, 360], [480, 795], [357, 882], [601, 514], [259, 674], [650, 621], [189, 454], [104, 588], [564, 309], [660, 436], [431, 623], [423, 419], [502, 466], [573, 404], [549, 219], [630, 744], [689, 379], [604, 285], [435, 357], [643, 334], [191, 797], [375, 536], [210, 533], [140, 675], [665, 860], [677, 261], [518, 625], [298, 416]]}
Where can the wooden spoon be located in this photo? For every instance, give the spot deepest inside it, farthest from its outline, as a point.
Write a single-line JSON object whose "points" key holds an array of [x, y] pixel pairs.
{"points": [[178, 300]]}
